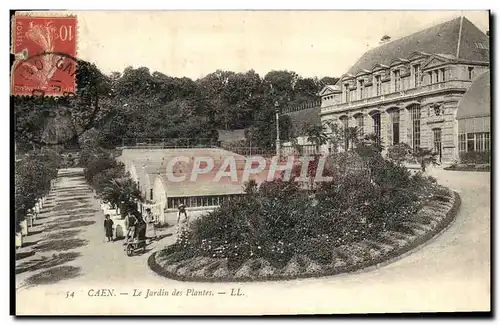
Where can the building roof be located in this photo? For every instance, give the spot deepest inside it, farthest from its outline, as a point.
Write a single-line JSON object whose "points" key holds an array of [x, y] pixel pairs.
{"points": [[444, 39], [151, 165], [476, 102], [205, 184]]}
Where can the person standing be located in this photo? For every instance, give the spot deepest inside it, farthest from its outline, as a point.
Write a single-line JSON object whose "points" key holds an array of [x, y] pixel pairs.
{"points": [[130, 221], [150, 222], [184, 221], [108, 227]]}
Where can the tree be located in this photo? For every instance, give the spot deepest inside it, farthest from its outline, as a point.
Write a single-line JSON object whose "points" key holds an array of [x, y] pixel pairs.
{"points": [[335, 135], [426, 157], [32, 176], [327, 81], [399, 153], [351, 137], [121, 190], [317, 135]]}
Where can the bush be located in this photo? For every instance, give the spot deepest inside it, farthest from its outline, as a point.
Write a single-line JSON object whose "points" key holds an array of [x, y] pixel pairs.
{"points": [[99, 165], [33, 174], [474, 157], [281, 220], [399, 153]]}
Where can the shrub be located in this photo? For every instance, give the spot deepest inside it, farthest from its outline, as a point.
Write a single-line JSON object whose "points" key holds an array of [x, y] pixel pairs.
{"points": [[281, 220], [474, 157], [425, 157], [399, 153], [99, 165], [33, 174]]}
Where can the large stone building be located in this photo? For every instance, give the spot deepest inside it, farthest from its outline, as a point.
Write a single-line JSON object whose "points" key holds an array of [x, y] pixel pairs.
{"points": [[409, 89]]}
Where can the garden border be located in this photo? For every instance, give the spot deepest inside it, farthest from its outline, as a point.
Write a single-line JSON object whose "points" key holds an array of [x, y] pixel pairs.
{"points": [[375, 263], [467, 169]]}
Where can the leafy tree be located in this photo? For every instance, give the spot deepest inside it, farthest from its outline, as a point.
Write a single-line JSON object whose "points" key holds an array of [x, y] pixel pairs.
{"points": [[426, 157], [399, 153], [32, 176], [121, 190], [317, 135]]}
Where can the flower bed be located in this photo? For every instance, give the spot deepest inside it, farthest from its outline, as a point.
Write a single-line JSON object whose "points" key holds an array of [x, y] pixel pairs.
{"points": [[434, 217], [470, 167], [358, 220]]}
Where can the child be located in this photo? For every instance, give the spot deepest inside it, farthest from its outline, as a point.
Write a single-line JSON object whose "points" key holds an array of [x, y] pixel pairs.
{"points": [[185, 220], [108, 227], [130, 221]]}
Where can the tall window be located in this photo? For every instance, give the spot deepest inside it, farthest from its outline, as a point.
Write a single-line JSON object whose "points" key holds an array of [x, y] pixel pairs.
{"points": [[431, 77], [436, 73], [417, 75], [462, 143], [376, 125], [361, 89], [397, 80], [437, 142], [393, 127], [378, 85], [360, 123], [346, 91], [345, 128], [470, 72], [415, 114], [151, 194]]}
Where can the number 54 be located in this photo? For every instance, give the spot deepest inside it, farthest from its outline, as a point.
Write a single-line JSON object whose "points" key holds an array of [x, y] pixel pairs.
{"points": [[70, 294]]}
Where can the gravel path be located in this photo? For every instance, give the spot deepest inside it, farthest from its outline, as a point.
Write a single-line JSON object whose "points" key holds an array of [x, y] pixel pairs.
{"points": [[451, 273]]}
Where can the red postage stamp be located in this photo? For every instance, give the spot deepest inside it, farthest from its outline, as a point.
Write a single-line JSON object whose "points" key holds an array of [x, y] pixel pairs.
{"points": [[45, 50]]}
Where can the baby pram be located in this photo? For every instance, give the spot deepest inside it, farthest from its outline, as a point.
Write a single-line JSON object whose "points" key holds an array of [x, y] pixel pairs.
{"points": [[136, 239]]}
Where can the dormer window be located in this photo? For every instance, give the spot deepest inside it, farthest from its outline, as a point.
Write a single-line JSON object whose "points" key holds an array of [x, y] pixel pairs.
{"points": [[417, 75], [378, 85], [346, 93], [361, 87], [397, 80]]}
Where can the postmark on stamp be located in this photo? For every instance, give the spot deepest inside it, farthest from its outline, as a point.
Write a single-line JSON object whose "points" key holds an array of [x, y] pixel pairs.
{"points": [[42, 46]]}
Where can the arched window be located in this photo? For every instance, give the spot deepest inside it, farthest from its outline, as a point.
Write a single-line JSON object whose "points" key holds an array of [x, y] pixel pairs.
{"points": [[393, 126], [345, 129], [415, 115], [360, 124], [376, 124]]}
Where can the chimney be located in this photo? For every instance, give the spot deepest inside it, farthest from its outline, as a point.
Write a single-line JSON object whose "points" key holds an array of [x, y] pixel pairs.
{"points": [[384, 39]]}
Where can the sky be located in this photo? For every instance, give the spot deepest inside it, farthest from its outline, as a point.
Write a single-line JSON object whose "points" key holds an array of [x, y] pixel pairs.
{"points": [[195, 43]]}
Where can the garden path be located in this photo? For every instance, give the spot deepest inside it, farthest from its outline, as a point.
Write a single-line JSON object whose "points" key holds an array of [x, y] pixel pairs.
{"points": [[450, 273]]}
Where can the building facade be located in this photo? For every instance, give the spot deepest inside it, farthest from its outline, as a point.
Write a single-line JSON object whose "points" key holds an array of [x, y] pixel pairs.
{"points": [[409, 90]]}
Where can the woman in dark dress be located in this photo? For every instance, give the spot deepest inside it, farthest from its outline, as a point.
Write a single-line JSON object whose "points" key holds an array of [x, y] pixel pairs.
{"points": [[108, 227], [140, 228]]}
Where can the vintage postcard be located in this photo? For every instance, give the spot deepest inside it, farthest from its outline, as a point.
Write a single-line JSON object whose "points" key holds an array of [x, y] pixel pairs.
{"points": [[251, 162]]}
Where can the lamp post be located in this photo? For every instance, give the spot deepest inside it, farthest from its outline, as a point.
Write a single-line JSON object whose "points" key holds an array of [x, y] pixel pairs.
{"points": [[278, 142]]}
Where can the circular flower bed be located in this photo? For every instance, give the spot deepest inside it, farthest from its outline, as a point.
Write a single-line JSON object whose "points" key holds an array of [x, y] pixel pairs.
{"points": [[431, 219], [371, 210]]}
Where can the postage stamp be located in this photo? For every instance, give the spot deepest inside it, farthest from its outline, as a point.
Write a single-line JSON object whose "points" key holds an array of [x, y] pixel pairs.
{"points": [[43, 46]]}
